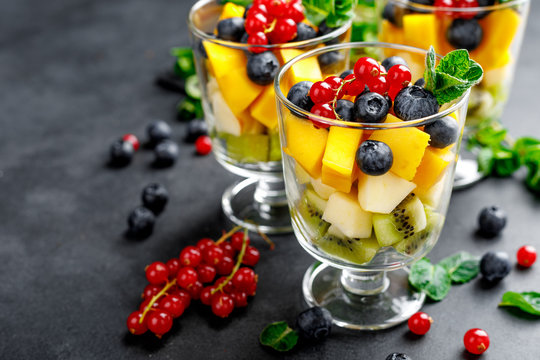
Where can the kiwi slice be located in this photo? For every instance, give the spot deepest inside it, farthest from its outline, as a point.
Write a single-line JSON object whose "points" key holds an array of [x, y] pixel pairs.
{"points": [[358, 251], [311, 208], [410, 245], [406, 220], [247, 147], [275, 147]]}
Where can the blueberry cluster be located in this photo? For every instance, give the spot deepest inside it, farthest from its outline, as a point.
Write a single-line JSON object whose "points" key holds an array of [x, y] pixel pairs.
{"points": [[141, 220]]}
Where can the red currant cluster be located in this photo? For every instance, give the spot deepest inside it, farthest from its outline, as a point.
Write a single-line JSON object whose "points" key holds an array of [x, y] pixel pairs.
{"points": [[272, 21], [172, 285], [464, 4]]}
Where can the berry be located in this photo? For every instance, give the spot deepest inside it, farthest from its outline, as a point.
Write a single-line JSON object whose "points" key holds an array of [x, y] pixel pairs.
{"points": [[393, 91], [324, 110], [183, 295], [494, 266], [255, 22], [324, 29], [239, 298], [251, 256], [231, 29], [157, 273], [132, 139], [237, 240], [398, 356], [243, 279], [392, 61], [442, 132], [225, 265], [476, 341], [314, 323], [491, 221], [155, 197], [378, 84], [228, 250], [345, 109], [151, 290], [334, 82], [146, 302], [229, 287], [186, 277], [204, 243], [257, 39], [141, 223], [172, 304], [222, 305], [420, 323], [173, 265], [121, 152], [464, 4], [374, 157], [159, 322], [389, 13], [526, 256], [190, 256], [464, 34], [212, 255], [195, 129], [158, 131], [284, 31], [299, 95], [304, 32], [133, 324], [206, 273], [370, 108], [295, 11], [261, 68], [165, 153], [414, 102], [321, 92], [276, 8], [366, 68], [329, 58], [355, 87], [195, 290], [399, 75], [203, 145], [420, 82], [252, 289], [346, 73], [206, 295]]}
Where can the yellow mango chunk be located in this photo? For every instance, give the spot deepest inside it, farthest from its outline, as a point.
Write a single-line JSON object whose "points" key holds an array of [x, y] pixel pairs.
{"points": [[238, 90], [393, 35], [408, 146], [249, 124], [430, 170], [224, 59], [307, 69], [305, 143], [336, 180], [264, 108], [340, 152], [421, 30], [231, 10]]}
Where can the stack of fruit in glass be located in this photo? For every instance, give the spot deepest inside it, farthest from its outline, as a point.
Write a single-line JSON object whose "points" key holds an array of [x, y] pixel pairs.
{"points": [[238, 51], [369, 162]]}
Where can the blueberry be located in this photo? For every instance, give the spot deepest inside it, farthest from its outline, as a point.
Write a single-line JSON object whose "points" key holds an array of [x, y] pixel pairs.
{"points": [[464, 34], [325, 29], [483, 14], [374, 157], [314, 323], [141, 222], [165, 153], [155, 197], [158, 131], [231, 29], [195, 128], [329, 58], [261, 68], [423, 2], [346, 73], [494, 266], [420, 82], [304, 32], [121, 152], [389, 13], [299, 95], [442, 132], [345, 109], [414, 102], [491, 221], [388, 99], [246, 10], [393, 60], [370, 108], [398, 356], [168, 80]]}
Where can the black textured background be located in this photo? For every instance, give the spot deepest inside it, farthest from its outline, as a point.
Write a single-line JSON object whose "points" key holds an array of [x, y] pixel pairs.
{"points": [[75, 75]]}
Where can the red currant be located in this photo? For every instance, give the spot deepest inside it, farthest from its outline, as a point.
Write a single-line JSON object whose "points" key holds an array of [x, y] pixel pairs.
{"points": [[251, 256], [243, 279], [184, 296], [134, 325], [276, 8], [476, 341], [206, 295], [284, 31], [321, 92], [203, 145], [526, 256], [324, 110], [366, 68], [195, 290], [173, 265], [239, 298], [255, 22], [228, 249], [420, 323], [393, 91], [228, 288], [399, 75], [172, 304], [443, 4], [257, 39], [252, 289], [212, 255], [206, 273], [190, 256], [378, 85], [130, 138], [225, 266], [204, 243], [466, 4], [257, 8], [335, 83], [186, 277], [151, 290], [237, 239], [159, 322], [157, 273], [355, 87], [146, 302], [295, 11], [222, 305]]}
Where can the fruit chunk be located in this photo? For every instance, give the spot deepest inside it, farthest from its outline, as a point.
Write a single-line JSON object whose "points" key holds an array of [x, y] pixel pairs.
{"points": [[336, 180], [223, 59], [237, 89], [249, 124], [410, 245], [275, 147], [231, 10], [407, 219], [358, 251], [247, 147], [225, 121], [302, 177], [431, 168], [420, 30], [381, 194], [323, 190], [432, 196], [308, 69], [340, 151], [343, 211], [408, 146], [264, 108], [311, 209]]}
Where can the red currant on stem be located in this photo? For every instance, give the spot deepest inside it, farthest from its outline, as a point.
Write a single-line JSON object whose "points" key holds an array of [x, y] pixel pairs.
{"points": [[324, 110], [195, 290], [366, 68], [398, 75], [239, 298], [378, 85], [353, 86], [225, 266], [203, 145], [151, 290], [255, 22], [393, 91], [203, 243], [135, 326], [172, 304], [257, 39], [443, 4], [173, 265], [295, 11], [526, 256], [149, 304], [251, 257], [228, 249], [321, 92], [420, 323], [221, 283], [336, 83], [212, 255], [157, 273], [243, 279], [237, 240], [276, 8], [222, 305], [190, 256], [206, 273], [186, 277], [466, 4], [476, 341], [206, 295], [159, 322], [133, 140], [284, 31], [183, 295]]}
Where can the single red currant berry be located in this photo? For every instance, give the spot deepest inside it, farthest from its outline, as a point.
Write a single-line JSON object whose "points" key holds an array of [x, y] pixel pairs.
{"points": [[257, 8], [243, 279], [284, 31], [130, 138], [151, 290], [190, 256], [203, 243], [354, 87], [225, 266], [393, 91], [206, 295], [255, 22], [172, 304], [378, 85], [321, 92], [173, 265], [465, 4], [203, 145], [295, 11], [206, 273], [195, 290], [134, 325], [159, 322], [239, 298], [251, 256], [420, 323], [146, 303], [335, 83], [222, 305], [276, 8], [476, 341], [237, 239], [183, 295], [228, 288], [228, 249], [257, 39], [212, 255], [252, 289], [186, 277], [157, 273], [443, 4], [324, 110], [526, 256], [399, 75], [366, 68]]}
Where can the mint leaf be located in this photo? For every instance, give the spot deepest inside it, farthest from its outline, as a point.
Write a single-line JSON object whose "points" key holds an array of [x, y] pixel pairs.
{"points": [[532, 180], [526, 301], [336, 12], [506, 162], [456, 63], [237, 2], [429, 72], [485, 161], [475, 72], [448, 87], [279, 336], [462, 267], [433, 280]]}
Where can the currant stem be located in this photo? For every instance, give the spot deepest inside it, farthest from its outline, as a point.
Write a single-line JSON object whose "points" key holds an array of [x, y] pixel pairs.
{"points": [[228, 234], [270, 27], [262, 235], [155, 298], [236, 266], [336, 96]]}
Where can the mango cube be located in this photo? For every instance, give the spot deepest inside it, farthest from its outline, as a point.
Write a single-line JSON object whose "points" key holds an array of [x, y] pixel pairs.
{"points": [[224, 59], [238, 90], [336, 180], [421, 30], [264, 108], [231, 10], [307, 69], [431, 169], [341, 147]]}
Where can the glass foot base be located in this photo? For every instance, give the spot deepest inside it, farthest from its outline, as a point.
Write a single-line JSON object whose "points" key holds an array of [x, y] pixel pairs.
{"points": [[466, 174], [258, 205], [387, 303]]}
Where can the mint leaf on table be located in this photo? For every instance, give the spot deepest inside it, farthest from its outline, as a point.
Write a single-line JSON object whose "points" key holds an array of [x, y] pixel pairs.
{"points": [[429, 72], [485, 160], [526, 301], [431, 279], [462, 267], [279, 336]]}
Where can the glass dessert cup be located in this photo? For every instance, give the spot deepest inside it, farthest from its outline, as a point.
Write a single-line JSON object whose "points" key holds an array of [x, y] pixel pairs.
{"points": [[364, 230], [242, 117], [493, 45]]}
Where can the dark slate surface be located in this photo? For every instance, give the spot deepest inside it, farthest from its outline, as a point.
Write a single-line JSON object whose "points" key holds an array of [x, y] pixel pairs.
{"points": [[76, 74]]}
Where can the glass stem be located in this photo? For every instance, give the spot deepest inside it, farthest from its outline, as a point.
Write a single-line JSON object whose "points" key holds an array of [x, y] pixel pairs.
{"points": [[364, 282], [269, 195]]}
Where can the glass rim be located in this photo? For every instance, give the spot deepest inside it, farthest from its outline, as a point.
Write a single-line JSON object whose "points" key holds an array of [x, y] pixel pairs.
{"points": [[432, 8], [237, 45], [456, 104]]}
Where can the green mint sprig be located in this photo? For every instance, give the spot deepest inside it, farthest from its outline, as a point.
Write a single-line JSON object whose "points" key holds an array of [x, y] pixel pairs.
{"points": [[526, 301], [279, 336], [454, 74], [336, 12]]}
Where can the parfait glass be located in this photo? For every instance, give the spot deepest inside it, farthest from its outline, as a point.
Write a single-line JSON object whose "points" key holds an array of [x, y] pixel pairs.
{"points": [[492, 34], [242, 118], [364, 230]]}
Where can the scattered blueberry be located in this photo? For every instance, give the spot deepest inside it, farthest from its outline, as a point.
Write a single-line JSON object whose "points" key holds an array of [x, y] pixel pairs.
{"points": [[442, 132], [330, 57], [464, 34], [168, 80], [370, 107], [398, 356], [158, 131], [141, 223], [155, 197], [261, 68], [304, 32], [165, 153], [491, 221], [414, 102], [299, 95], [325, 29], [195, 128], [314, 323], [121, 152], [393, 60], [420, 82], [345, 109], [374, 157], [346, 73], [494, 266], [231, 29]]}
